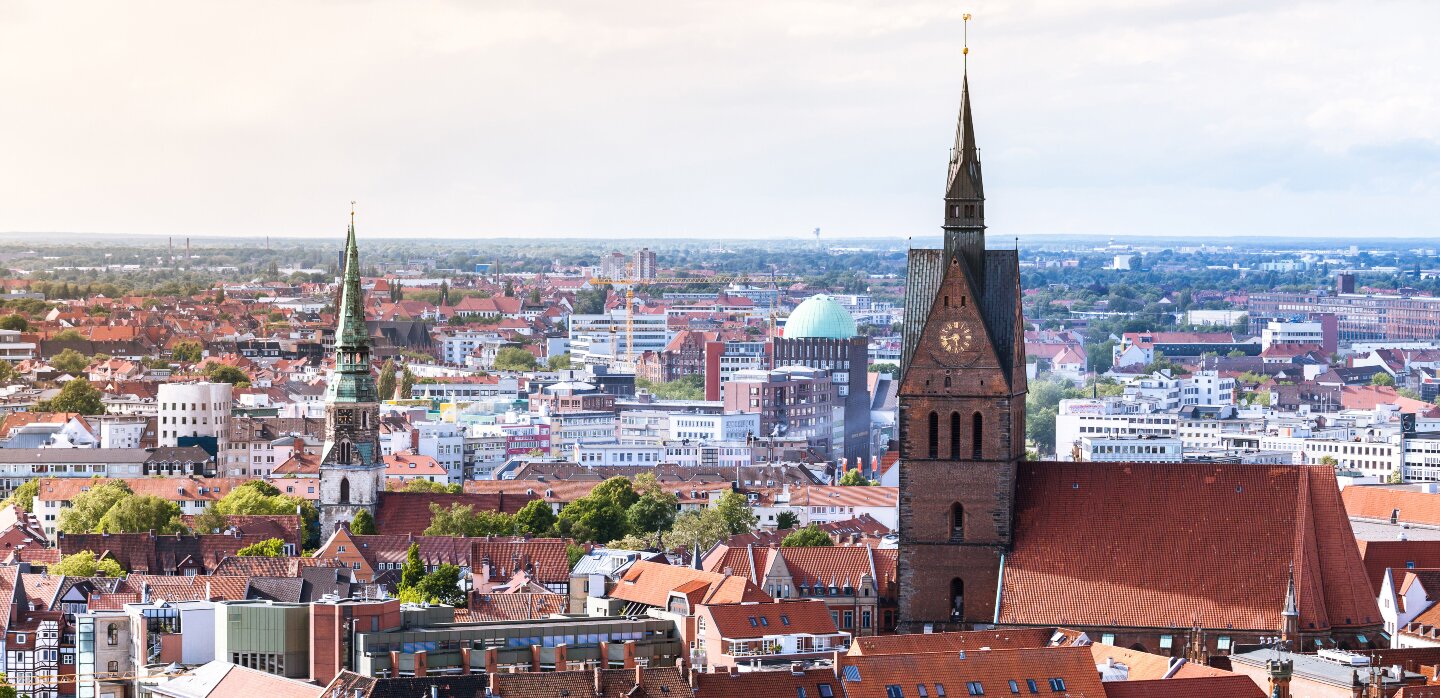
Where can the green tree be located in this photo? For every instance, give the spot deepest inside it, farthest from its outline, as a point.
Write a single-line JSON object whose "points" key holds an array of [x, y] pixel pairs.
{"points": [[187, 351], [88, 507], [690, 387], [559, 362], [808, 537], [1040, 428], [855, 478], [270, 547], [69, 360], [618, 490], [77, 396], [536, 518], [385, 385], [443, 586], [412, 570], [24, 495], [514, 359], [1407, 393], [593, 520], [652, 512], [702, 528], [463, 520], [419, 485], [363, 524], [84, 564], [210, 521], [14, 322], [141, 513], [1100, 357], [258, 497], [7, 689], [735, 511], [1382, 378], [1328, 460], [786, 519], [68, 336], [407, 383], [221, 373], [885, 367]]}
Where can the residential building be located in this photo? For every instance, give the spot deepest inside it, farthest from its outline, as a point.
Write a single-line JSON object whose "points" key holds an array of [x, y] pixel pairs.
{"points": [[195, 414]]}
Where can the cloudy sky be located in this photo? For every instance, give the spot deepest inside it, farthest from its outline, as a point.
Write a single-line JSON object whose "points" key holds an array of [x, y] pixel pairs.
{"points": [[688, 117]]}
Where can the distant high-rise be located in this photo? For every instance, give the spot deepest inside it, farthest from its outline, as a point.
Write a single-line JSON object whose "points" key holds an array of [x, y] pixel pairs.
{"points": [[645, 264], [613, 266]]}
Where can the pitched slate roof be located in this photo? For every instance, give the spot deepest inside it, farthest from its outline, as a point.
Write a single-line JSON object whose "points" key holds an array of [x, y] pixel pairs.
{"points": [[1161, 542]]}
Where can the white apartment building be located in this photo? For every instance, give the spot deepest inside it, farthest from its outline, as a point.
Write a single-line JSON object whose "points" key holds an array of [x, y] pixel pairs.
{"points": [[445, 442], [1171, 393], [735, 426], [725, 455], [1283, 333], [455, 348], [1422, 458], [1112, 417], [642, 427], [14, 350], [651, 331], [462, 390], [484, 450], [1107, 449], [569, 429], [194, 410], [743, 356], [1371, 456]]}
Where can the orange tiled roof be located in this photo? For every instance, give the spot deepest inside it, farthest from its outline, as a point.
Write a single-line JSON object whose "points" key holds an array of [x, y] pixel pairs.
{"points": [[650, 583], [1380, 503], [1010, 638], [765, 684], [754, 620], [520, 606], [1161, 543]]}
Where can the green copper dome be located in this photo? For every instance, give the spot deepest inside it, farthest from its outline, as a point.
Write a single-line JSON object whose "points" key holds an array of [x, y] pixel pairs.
{"points": [[822, 317]]}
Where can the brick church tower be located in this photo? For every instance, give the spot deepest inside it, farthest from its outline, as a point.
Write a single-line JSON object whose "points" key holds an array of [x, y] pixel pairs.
{"points": [[962, 408], [352, 471]]}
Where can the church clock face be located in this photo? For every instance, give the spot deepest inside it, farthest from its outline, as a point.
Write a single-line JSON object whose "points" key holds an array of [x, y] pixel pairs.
{"points": [[344, 417], [957, 337]]}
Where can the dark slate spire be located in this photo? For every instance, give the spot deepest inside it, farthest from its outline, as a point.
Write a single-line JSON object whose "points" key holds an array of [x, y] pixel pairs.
{"points": [[965, 190]]}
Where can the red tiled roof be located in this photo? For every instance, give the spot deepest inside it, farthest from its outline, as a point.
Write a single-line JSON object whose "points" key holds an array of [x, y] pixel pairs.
{"points": [[994, 669], [403, 513], [512, 607], [753, 620], [1379, 555], [1231, 686], [200, 587], [1009, 638], [240, 681], [1161, 542], [765, 684], [1142, 666]]}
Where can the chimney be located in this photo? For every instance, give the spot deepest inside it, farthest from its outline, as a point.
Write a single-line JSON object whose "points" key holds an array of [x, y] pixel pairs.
{"points": [[640, 677], [599, 681], [562, 656], [422, 663], [464, 661], [415, 441], [494, 689], [492, 661]]}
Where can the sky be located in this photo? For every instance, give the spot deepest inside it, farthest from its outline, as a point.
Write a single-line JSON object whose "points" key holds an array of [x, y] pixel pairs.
{"points": [[690, 118]]}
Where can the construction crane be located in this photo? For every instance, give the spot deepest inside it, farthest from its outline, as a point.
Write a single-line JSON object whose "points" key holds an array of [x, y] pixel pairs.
{"points": [[629, 285]]}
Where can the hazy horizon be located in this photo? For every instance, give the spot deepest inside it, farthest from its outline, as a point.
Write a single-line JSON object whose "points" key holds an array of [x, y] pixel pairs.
{"points": [[708, 120]]}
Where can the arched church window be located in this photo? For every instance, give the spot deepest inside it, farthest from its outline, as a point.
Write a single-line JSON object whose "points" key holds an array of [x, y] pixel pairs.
{"points": [[977, 427], [934, 435], [344, 490], [957, 522], [954, 433], [957, 599]]}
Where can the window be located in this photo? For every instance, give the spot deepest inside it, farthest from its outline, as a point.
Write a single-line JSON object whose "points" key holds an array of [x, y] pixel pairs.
{"points": [[1223, 643], [825, 691], [113, 667], [975, 688], [1030, 684], [1057, 684], [940, 690], [957, 521], [1167, 641], [893, 691], [977, 425], [1107, 639], [1014, 686], [784, 619], [954, 430], [800, 692], [112, 635], [920, 689], [934, 435]]}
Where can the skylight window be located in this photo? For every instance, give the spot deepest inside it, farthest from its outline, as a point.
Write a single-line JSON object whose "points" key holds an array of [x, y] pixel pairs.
{"points": [[825, 691], [784, 619], [852, 673], [894, 691], [920, 689]]}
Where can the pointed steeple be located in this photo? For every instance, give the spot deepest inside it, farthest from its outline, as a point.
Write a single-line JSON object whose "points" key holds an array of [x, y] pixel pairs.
{"points": [[1290, 614], [964, 187], [352, 381], [965, 181]]}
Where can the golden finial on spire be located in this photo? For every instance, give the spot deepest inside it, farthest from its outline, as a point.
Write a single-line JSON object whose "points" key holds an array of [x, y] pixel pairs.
{"points": [[965, 35], [352, 213]]}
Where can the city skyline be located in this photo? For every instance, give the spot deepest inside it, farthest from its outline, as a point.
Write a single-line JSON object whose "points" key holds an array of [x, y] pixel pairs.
{"points": [[1118, 118]]}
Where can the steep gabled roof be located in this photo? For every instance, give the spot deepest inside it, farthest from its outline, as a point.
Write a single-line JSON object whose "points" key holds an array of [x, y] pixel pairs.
{"points": [[650, 583], [1161, 542]]}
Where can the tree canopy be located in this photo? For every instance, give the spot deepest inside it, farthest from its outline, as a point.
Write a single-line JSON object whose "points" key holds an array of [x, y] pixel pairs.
{"points": [[77, 396], [83, 563], [808, 537], [270, 547]]}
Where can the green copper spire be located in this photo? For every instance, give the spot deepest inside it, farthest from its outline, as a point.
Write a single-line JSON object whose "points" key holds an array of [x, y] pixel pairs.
{"points": [[352, 381]]}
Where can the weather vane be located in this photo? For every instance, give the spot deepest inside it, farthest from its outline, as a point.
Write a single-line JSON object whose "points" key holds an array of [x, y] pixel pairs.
{"points": [[965, 39]]}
